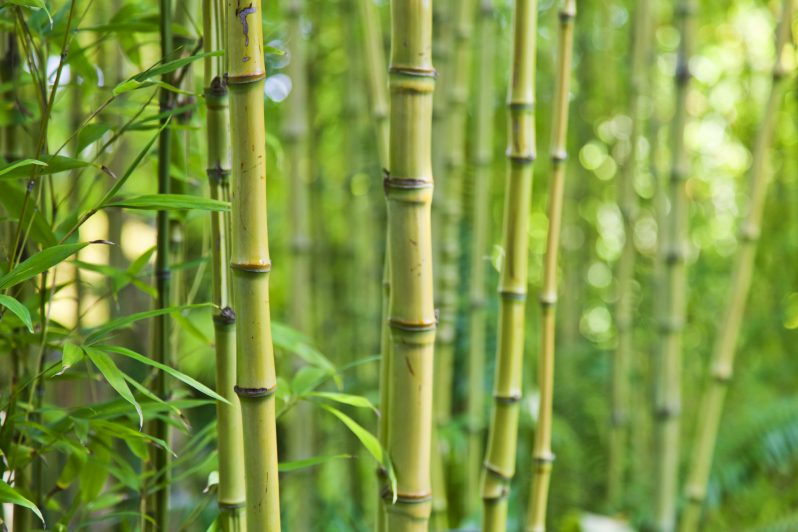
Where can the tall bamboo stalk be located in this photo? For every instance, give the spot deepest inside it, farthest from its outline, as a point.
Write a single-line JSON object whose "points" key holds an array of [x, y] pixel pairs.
{"points": [[162, 324], [667, 400], [722, 365], [298, 422], [408, 191], [481, 161], [499, 465], [627, 201], [542, 456], [231, 495], [250, 263]]}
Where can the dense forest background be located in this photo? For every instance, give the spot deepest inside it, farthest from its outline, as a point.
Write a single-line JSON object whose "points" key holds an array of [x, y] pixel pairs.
{"points": [[80, 84]]}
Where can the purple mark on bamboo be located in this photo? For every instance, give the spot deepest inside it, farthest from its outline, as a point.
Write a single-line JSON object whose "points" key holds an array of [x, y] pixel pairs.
{"points": [[242, 15]]}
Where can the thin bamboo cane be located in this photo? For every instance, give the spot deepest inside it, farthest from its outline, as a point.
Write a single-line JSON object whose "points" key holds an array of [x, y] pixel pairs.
{"points": [[667, 400], [408, 191], [627, 201], [542, 456], [250, 263], [298, 422], [723, 355], [231, 494], [162, 324], [499, 465], [481, 161]]}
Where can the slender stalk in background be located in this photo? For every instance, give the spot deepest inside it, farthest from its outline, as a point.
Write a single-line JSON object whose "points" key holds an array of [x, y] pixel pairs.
{"points": [[250, 263], [408, 190], [449, 270], [627, 201], [481, 160], [667, 400], [162, 324], [542, 456], [230, 441], [298, 421], [499, 465], [722, 367]]}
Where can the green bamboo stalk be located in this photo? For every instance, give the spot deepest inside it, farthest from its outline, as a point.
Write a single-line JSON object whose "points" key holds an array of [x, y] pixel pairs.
{"points": [[231, 493], [667, 400], [627, 201], [481, 161], [542, 456], [298, 422], [250, 263], [499, 465], [408, 191], [722, 365], [161, 462]]}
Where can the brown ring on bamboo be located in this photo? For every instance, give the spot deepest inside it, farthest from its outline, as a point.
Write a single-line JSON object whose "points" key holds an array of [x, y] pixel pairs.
{"points": [[406, 183], [217, 175], [395, 323], [493, 470], [521, 159], [252, 268], [163, 274], [254, 393], [230, 505], [507, 400], [244, 79], [512, 295], [413, 71], [545, 459], [226, 316]]}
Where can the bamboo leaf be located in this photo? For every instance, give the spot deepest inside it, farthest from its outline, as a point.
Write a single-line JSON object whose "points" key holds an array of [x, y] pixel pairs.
{"points": [[102, 331], [295, 465], [41, 261], [12, 198], [71, 355], [295, 342], [369, 441], [345, 398], [91, 134], [19, 310], [9, 494], [115, 377], [165, 68], [182, 377], [33, 4], [159, 202], [20, 164]]}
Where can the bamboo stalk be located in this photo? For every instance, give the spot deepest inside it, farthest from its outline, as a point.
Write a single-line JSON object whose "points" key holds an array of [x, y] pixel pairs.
{"points": [[250, 263], [481, 161], [499, 465], [408, 191], [627, 201], [298, 422], [231, 494], [667, 400], [161, 463], [723, 355], [542, 455]]}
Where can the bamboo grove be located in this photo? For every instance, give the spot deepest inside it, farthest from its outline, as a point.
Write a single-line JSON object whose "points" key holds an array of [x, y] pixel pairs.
{"points": [[263, 266]]}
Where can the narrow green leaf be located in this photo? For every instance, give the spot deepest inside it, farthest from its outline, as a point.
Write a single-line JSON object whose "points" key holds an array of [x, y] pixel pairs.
{"points": [[182, 377], [19, 310], [295, 465], [91, 134], [159, 202], [41, 261], [98, 333], [292, 340], [72, 354], [9, 494], [33, 4], [369, 441], [20, 164], [51, 165], [115, 377], [345, 398]]}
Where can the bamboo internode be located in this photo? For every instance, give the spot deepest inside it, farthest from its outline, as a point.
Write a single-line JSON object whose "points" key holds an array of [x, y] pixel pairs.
{"points": [[499, 465]]}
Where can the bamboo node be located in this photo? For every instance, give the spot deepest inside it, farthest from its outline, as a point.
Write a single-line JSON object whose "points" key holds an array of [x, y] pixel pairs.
{"points": [[722, 373], [507, 399], [226, 317], [695, 494], [559, 156], [413, 71], [163, 274], [493, 470], [243, 79], [217, 175], [254, 393], [544, 458], [261, 267], [512, 295], [548, 300], [749, 232], [422, 326], [230, 505], [405, 183], [520, 159], [670, 325], [666, 412]]}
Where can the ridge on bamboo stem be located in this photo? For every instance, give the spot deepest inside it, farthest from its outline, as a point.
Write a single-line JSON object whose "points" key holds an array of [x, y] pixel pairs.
{"points": [[500, 454], [250, 263], [408, 190], [543, 457], [723, 355], [667, 393], [231, 493]]}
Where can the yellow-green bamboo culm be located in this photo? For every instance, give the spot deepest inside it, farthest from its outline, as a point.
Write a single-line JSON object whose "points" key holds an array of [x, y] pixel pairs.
{"points": [[667, 393], [250, 263], [159, 500], [481, 160], [408, 191], [230, 443], [298, 422], [542, 456], [722, 365], [499, 464], [627, 202]]}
